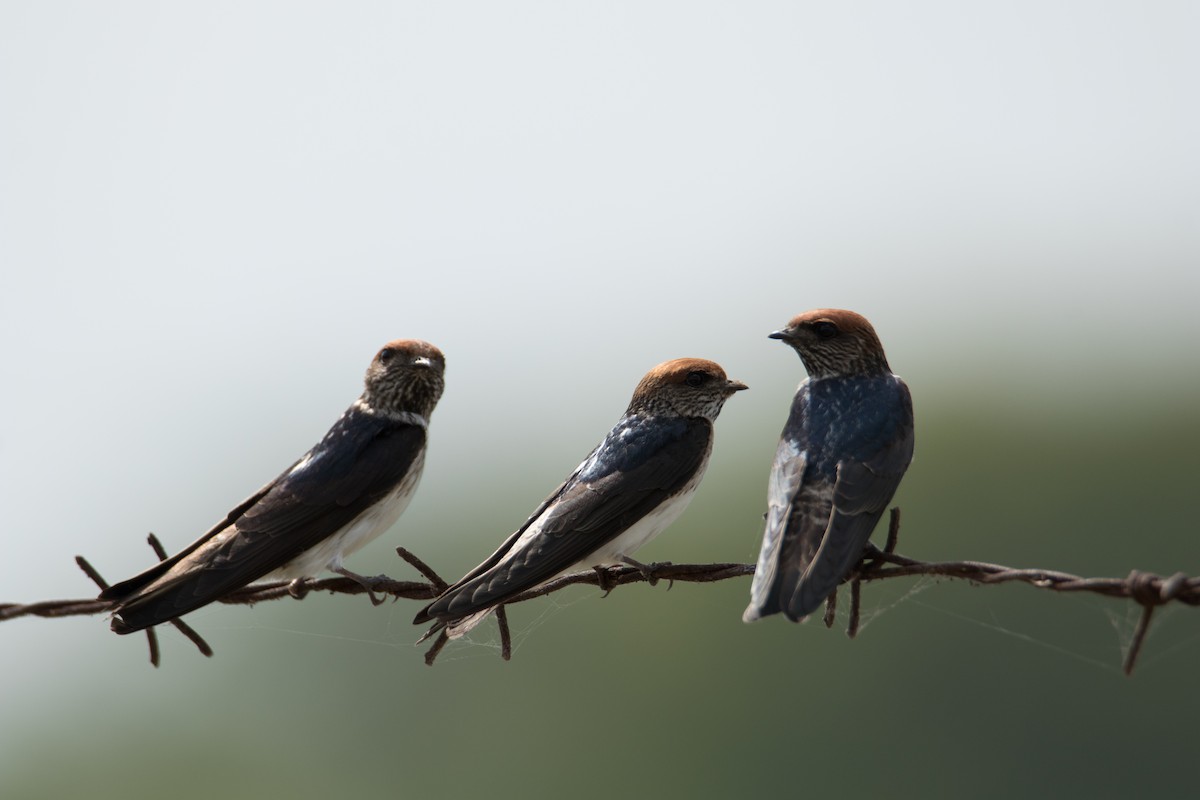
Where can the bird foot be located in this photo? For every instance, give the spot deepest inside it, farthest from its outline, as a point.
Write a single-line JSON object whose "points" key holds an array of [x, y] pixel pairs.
{"points": [[649, 571], [605, 579], [363, 582]]}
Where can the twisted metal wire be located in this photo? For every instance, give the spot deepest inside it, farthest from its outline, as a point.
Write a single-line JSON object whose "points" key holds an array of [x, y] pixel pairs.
{"points": [[1146, 589]]}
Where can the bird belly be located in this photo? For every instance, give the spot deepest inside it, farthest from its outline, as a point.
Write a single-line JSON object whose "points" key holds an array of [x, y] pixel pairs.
{"points": [[362, 529]]}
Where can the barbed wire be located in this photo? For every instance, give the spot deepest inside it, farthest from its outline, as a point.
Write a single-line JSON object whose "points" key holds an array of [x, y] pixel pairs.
{"points": [[1144, 588]]}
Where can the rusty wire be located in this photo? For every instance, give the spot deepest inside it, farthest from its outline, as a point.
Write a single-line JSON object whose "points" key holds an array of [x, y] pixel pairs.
{"points": [[1146, 589]]}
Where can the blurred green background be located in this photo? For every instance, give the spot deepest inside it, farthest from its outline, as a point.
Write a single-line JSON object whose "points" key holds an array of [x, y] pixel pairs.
{"points": [[211, 217]]}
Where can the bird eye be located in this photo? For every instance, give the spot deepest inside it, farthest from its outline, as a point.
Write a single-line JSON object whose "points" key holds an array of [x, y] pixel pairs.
{"points": [[825, 329], [695, 378], [386, 354]]}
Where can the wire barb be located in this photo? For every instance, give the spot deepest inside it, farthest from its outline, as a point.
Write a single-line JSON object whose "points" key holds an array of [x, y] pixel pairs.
{"points": [[156, 546], [505, 636], [435, 580], [830, 609], [855, 606], [91, 572], [438, 643]]}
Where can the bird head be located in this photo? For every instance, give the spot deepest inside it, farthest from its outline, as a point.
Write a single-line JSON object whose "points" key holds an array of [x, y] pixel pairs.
{"points": [[405, 375], [833, 342], [685, 387]]}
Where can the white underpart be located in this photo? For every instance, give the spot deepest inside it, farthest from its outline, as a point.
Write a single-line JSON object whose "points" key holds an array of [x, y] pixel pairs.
{"points": [[403, 417], [370, 524]]}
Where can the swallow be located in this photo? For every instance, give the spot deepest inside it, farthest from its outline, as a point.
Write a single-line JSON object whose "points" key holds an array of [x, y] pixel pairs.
{"points": [[635, 483], [846, 444], [347, 490]]}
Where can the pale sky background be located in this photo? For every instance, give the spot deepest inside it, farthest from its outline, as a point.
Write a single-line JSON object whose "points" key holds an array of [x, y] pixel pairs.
{"points": [[213, 214]]}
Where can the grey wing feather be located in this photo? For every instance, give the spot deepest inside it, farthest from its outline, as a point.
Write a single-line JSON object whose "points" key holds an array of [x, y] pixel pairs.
{"points": [[786, 477]]}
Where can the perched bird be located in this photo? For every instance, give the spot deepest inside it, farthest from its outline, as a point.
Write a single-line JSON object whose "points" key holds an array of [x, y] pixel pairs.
{"points": [[844, 449], [627, 491], [349, 488]]}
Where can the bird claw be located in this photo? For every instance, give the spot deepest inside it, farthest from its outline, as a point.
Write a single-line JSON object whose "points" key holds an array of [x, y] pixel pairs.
{"points": [[364, 582], [830, 609], [649, 571], [605, 580]]}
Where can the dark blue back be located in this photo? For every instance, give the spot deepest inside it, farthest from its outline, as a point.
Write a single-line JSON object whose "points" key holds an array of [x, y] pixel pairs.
{"points": [[631, 441], [850, 417]]}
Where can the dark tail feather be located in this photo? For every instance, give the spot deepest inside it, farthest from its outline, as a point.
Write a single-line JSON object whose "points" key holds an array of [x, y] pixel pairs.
{"points": [[839, 552], [423, 616], [141, 614], [119, 625], [437, 627], [455, 627], [808, 597], [130, 587], [133, 610], [155, 605]]}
